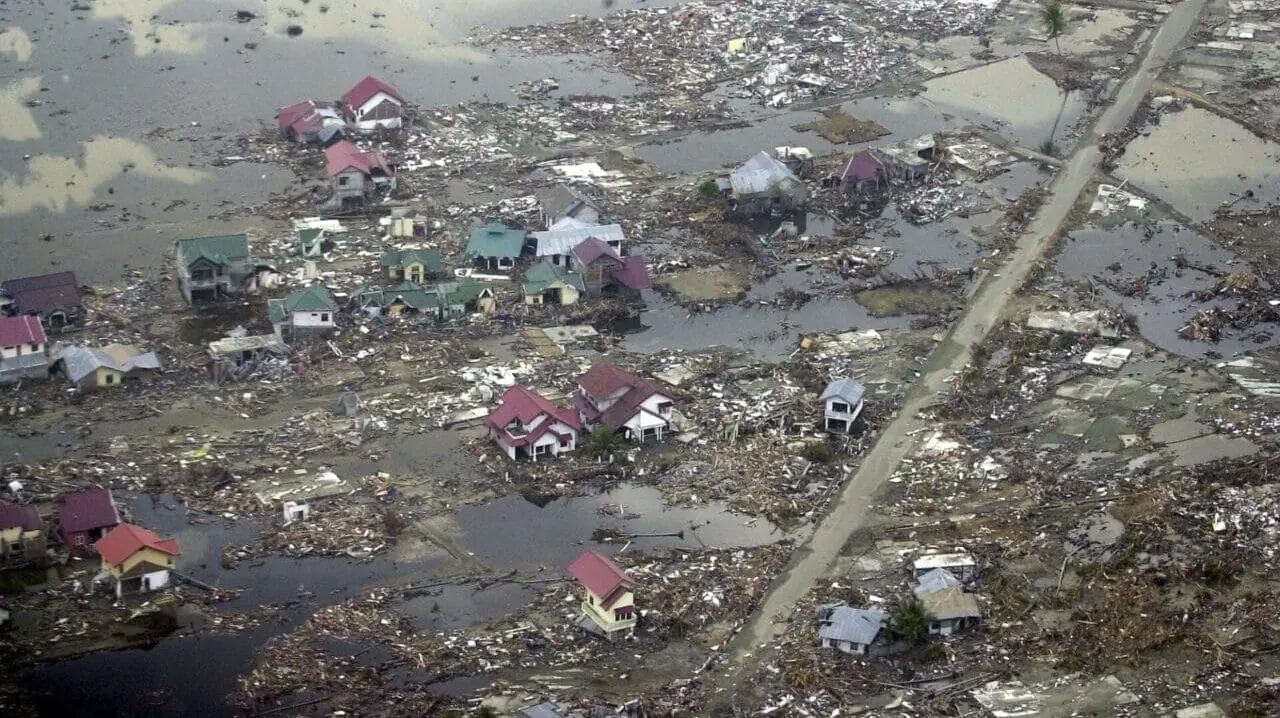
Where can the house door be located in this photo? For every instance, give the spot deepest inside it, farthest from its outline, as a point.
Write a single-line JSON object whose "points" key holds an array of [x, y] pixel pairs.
{"points": [[552, 297], [146, 584]]}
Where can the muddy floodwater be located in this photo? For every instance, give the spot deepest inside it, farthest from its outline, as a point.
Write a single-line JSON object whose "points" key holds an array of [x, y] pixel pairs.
{"points": [[1228, 163]]}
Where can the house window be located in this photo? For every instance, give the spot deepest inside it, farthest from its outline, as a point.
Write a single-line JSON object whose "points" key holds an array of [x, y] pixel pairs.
{"points": [[34, 347], [622, 614], [202, 275], [342, 181], [564, 443], [79, 539], [109, 379], [840, 407], [324, 317], [664, 408]]}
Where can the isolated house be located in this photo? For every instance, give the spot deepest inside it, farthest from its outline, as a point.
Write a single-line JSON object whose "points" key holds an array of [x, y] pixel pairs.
{"points": [[959, 564], [851, 630], [311, 241], [212, 268], [21, 535], [307, 311], [103, 368], [608, 606], [373, 104], [413, 265], [637, 408], [310, 122], [496, 246], [557, 243], [842, 404], [563, 202], [136, 560], [546, 283], [765, 185], [952, 609], [865, 173], [526, 425], [466, 297], [54, 299], [355, 175], [84, 517], [24, 351]]}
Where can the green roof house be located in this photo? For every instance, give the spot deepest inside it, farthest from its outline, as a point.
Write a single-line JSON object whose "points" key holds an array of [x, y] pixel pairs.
{"points": [[496, 247], [212, 268], [412, 265], [458, 298], [310, 310], [550, 283], [406, 298]]}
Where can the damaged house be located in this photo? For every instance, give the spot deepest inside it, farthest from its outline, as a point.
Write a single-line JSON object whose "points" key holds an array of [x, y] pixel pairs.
{"points": [[110, 366], [764, 185], [135, 560], [639, 409], [22, 538], [373, 105], [952, 610], [550, 284], [24, 350], [211, 269], [851, 630], [309, 311], [84, 517], [356, 176], [557, 244], [54, 299], [842, 402], [563, 202], [605, 272], [496, 247], [236, 357], [311, 122], [874, 170], [608, 602], [442, 301], [413, 265], [526, 425]]}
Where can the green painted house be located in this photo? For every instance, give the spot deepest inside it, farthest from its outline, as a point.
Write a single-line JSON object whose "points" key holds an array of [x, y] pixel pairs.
{"points": [[212, 268], [550, 283]]}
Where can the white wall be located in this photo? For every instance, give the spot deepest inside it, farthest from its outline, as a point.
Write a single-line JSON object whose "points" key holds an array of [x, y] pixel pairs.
{"points": [[20, 350], [313, 319]]}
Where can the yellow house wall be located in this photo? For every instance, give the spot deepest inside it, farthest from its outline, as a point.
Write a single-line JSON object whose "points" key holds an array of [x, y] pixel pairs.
{"points": [[592, 604], [146, 554], [100, 377]]}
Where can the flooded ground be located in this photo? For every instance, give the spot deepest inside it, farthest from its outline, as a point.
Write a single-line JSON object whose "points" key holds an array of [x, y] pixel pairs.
{"points": [[1195, 161], [1113, 257]]}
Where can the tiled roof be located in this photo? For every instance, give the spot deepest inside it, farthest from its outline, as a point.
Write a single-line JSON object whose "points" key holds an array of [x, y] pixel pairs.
{"points": [[603, 380], [126, 539], [853, 625], [591, 249], [365, 89], [526, 405]]}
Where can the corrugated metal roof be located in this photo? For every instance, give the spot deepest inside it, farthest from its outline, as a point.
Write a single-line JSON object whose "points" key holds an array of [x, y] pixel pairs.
{"points": [[542, 710], [16, 331], [496, 240], [220, 249], [936, 580], [760, 174], [854, 625], [566, 237], [951, 603], [847, 389], [79, 362]]}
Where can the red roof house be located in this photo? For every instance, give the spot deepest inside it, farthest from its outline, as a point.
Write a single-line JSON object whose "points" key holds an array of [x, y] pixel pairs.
{"points": [[137, 559], [604, 270], [864, 171], [373, 104], [527, 425], [609, 397], [307, 121], [84, 517], [608, 607]]}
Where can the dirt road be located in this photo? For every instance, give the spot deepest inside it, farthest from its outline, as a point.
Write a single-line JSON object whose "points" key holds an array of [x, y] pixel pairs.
{"points": [[750, 648]]}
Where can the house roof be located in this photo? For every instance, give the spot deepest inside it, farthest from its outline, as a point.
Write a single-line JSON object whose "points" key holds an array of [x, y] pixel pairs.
{"points": [[525, 405], [563, 201], [543, 274], [126, 539], [863, 166], [562, 238], [365, 89], [221, 249], [936, 580], [310, 235], [306, 116], [87, 510], [601, 576], [853, 625], [314, 298], [79, 362], [19, 516], [847, 389], [342, 156], [542, 710], [430, 258], [496, 240], [24, 329], [413, 295], [604, 380], [592, 249], [463, 292], [950, 603], [634, 273], [761, 174], [43, 293]]}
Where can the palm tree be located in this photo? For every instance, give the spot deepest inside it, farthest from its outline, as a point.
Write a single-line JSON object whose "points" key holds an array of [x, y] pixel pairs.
{"points": [[1053, 17], [910, 619]]}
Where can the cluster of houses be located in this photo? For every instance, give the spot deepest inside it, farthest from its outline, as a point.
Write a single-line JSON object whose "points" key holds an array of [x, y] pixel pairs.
{"points": [[87, 523], [355, 175], [528, 426], [941, 580], [51, 302]]}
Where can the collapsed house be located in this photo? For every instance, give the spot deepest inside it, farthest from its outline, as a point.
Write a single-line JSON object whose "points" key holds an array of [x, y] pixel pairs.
{"points": [[764, 185], [311, 122], [236, 358], [110, 366]]}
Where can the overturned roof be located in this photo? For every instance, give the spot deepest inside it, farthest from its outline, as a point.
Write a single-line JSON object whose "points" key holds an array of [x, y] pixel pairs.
{"points": [[565, 236]]}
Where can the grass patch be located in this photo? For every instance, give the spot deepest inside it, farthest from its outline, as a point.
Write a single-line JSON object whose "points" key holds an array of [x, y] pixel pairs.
{"points": [[837, 127]]}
